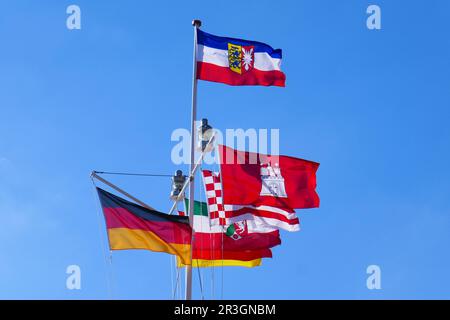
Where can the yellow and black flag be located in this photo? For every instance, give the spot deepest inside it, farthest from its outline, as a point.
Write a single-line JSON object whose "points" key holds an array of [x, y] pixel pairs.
{"points": [[131, 226]]}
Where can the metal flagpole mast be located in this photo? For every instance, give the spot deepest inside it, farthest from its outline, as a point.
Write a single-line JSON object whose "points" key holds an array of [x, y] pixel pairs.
{"points": [[196, 24]]}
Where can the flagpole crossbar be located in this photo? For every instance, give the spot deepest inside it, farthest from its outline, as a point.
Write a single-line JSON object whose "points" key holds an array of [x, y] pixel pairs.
{"points": [[126, 194], [190, 178]]}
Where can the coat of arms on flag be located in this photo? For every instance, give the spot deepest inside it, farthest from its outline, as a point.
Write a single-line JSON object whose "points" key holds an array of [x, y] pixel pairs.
{"points": [[237, 230], [272, 181], [240, 58]]}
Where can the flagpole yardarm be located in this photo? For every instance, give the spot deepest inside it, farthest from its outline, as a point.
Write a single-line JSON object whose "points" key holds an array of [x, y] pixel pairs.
{"points": [[196, 24], [126, 194]]}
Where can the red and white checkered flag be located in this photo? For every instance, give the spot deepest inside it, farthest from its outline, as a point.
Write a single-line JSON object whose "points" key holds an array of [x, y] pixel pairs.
{"points": [[226, 214], [213, 188]]}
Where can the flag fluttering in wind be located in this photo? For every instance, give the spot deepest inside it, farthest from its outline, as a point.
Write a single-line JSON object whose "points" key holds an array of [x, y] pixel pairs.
{"points": [[242, 244], [238, 62], [131, 226], [223, 214], [250, 178]]}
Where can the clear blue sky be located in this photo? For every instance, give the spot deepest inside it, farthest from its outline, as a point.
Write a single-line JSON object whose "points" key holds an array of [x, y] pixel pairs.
{"points": [[371, 106]]}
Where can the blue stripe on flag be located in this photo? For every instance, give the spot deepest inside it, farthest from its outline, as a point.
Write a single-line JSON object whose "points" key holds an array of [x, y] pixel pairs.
{"points": [[221, 43]]}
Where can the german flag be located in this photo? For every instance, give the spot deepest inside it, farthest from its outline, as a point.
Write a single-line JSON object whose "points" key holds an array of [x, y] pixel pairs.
{"points": [[131, 226]]}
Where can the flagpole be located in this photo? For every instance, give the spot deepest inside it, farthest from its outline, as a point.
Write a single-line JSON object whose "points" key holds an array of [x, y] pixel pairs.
{"points": [[196, 24]]}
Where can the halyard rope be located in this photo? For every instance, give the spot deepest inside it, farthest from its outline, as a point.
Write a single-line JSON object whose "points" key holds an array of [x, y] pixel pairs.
{"points": [[133, 174], [108, 258]]}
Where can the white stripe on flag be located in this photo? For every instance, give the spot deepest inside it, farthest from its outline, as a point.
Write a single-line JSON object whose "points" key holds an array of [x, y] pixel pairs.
{"points": [[263, 61], [264, 220], [287, 214], [202, 224], [278, 223], [267, 221]]}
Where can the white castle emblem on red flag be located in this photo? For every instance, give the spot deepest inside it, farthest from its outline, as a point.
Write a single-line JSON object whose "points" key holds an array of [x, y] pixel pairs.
{"points": [[272, 181]]}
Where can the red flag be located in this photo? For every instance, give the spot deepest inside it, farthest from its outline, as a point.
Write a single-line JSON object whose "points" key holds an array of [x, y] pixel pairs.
{"points": [[259, 179], [226, 214]]}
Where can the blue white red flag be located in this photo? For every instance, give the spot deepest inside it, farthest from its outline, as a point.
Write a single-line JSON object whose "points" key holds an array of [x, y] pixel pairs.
{"points": [[238, 62]]}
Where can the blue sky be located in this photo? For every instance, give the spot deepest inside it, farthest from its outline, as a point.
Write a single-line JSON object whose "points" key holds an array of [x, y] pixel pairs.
{"points": [[371, 106]]}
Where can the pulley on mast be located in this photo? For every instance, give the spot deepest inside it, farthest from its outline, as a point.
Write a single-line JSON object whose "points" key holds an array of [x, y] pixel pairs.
{"points": [[178, 181], [205, 132]]}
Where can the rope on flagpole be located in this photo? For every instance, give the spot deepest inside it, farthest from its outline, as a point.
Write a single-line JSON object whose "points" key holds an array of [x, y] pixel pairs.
{"points": [[177, 288], [198, 268], [213, 268], [133, 174], [108, 259], [173, 266], [200, 281], [171, 273], [177, 282], [221, 293], [223, 228]]}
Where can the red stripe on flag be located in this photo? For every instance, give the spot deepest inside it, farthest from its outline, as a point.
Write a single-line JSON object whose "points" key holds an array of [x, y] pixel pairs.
{"points": [[170, 232], [246, 255], [250, 241], [211, 72]]}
